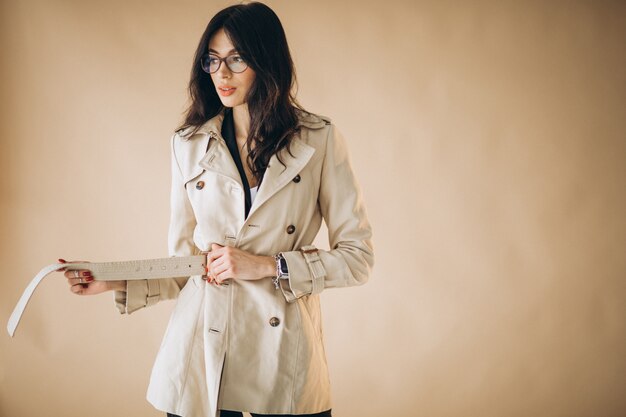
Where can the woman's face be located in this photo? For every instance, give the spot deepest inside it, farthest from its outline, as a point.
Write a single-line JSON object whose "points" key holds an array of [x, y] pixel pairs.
{"points": [[231, 87]]}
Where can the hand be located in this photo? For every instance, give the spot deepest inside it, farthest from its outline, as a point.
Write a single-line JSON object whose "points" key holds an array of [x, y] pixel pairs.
{"points": [[226, 262], [82, 283]]}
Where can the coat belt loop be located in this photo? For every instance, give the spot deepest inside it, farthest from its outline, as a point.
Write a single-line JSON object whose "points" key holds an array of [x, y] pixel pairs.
{"points": [[230, 240]]}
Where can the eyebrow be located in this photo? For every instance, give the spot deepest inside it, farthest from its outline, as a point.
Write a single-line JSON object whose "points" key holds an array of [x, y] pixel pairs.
{"points": [[216, 53]]}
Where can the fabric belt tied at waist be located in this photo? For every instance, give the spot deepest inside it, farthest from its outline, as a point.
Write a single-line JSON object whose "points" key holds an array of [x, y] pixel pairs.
{"points": [[173, 267]]}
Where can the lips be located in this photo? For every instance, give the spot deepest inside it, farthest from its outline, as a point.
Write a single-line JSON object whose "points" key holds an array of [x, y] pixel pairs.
{"points": [[226, 90]]}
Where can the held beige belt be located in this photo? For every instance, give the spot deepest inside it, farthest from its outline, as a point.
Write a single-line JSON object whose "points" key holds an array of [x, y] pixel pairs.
{"points": [[173, 267]]}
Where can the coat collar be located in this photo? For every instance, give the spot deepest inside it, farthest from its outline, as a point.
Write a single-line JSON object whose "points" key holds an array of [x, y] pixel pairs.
{"points": [[207, 138], [211, 126], [312, 121], [214, 125]]}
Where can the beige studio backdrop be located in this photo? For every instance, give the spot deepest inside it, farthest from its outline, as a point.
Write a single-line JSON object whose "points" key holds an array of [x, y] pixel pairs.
{"points": [[489, 139]]}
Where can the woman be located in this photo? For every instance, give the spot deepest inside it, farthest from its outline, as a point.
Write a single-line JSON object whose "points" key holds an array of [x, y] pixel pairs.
{"points": [[253, 175]]}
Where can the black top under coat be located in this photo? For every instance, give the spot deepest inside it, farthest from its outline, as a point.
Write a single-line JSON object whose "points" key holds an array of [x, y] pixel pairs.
{"points": [[228, 133]]}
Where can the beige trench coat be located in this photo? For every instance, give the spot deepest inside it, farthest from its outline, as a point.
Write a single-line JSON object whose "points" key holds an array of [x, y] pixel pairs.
{"points": [[220, 350]]}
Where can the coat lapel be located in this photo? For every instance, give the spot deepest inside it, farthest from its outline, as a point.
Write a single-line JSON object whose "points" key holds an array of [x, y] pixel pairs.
{"points": [[219, 160], [278, 175], [208, 150]]}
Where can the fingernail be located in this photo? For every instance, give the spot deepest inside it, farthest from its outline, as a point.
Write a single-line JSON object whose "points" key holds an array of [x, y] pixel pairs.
{"points": [[63, 261], [86, 273], [89, 279]]}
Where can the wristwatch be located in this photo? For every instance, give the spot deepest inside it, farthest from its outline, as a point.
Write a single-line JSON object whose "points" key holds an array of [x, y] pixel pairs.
{"points": [[282, 272]]}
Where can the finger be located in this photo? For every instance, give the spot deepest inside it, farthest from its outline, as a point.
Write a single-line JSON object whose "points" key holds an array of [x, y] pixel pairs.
{"points": [[223, 276], [63, 261], [76, 277], [79, 289], [213, 255], [216, 262], [76, 281], [77, 273], [210, 268], [218, 268]]}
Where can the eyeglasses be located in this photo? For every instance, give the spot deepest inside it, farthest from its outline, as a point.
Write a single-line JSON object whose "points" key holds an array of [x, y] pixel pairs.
{"points": [[212, 63]]}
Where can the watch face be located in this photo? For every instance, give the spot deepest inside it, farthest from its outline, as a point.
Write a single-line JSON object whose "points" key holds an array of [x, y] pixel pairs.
{"points": [[283, 266]]}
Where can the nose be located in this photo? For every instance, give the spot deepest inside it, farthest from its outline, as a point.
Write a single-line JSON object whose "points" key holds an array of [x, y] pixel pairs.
{"points": [[223, 71]]}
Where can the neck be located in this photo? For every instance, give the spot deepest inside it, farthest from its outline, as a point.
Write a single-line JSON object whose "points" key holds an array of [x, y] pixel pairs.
{"points": [[241, 118]]}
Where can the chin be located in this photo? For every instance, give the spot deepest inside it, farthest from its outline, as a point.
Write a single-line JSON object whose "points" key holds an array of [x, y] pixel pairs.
{"points": [[228, 102]]}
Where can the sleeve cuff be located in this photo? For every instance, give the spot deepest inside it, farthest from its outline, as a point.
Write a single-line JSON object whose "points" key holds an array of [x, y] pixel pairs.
{"points": [[306, 274], [139, 294]]}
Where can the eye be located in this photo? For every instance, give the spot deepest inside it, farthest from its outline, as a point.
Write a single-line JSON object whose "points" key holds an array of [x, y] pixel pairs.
{"points": [[213, 60], [237, 59]]}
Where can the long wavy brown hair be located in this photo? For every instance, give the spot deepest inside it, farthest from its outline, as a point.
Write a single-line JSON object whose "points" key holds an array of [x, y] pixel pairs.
{"points": [[259, 37]]}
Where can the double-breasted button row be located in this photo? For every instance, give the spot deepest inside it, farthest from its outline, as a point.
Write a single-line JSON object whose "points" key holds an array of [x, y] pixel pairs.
{"points": [[274, 321], [291, 228]]}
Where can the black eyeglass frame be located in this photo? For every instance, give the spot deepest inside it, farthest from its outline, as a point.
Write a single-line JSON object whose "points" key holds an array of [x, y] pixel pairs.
{"points": [[224, 60]]}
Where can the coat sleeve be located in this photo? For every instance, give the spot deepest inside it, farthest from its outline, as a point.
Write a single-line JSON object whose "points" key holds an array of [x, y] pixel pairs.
{"points": [[351, 257], [145, 293]]}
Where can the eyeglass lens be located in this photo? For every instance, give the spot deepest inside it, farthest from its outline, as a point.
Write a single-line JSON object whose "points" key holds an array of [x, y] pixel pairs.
{"points": [[212, 63]]}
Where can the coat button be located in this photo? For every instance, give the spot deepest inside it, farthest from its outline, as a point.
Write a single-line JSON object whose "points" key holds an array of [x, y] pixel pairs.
{"points": [[274, 321], [199, 185], [291, 228], [297, 179]]}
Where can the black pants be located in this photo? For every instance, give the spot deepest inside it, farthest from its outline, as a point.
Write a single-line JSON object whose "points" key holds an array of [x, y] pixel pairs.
{"points": [[227, 413]]}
